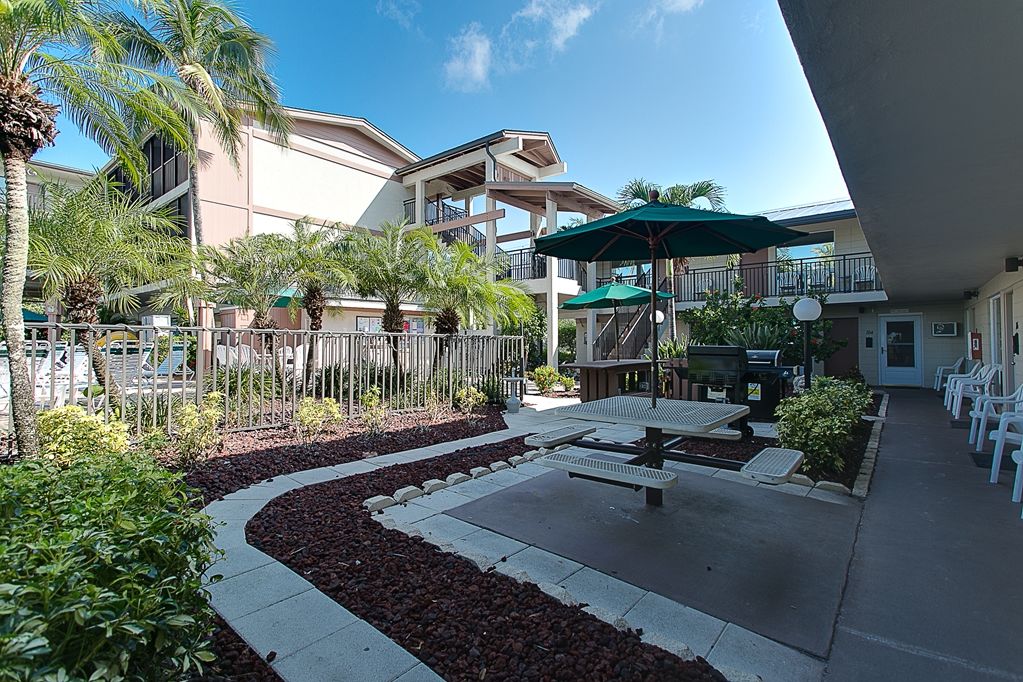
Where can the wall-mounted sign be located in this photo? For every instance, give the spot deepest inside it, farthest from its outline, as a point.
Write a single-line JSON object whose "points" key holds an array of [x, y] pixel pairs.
{"points": [[944, 329]]}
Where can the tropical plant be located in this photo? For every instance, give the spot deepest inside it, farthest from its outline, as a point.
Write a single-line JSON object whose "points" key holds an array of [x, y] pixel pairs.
{"points": [[388, 264], [568, 382], [313, 416], [56, 57], [102, 576], [251, 273], [319, 263], [198, 433], [67, 434], [463, 290], [637, 191], [373, 413], [469, 400], [93, 246], [545, 377], [222, 62]]}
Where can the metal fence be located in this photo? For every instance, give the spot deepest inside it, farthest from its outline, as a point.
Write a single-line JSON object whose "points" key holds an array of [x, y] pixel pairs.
{"points": [[145, 375]]}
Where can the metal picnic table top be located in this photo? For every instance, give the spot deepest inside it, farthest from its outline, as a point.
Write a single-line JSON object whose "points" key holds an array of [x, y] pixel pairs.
{"points": [[669, 415]]}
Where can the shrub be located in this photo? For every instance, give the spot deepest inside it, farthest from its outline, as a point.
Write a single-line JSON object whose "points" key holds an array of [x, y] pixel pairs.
{"points": [[313, 416], [568, 382], [545, 377], [68, 433], [819, 422], [469, 399], [198, 435], [493, 389], [101, 576], [373, 414]]}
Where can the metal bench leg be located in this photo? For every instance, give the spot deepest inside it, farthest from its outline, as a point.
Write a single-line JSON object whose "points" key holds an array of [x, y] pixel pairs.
{"points": [[655, 460]]}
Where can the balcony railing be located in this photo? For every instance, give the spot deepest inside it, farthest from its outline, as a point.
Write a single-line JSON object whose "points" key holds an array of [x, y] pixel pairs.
{"points": [[436, 212], [843, 274], [525, 264]]}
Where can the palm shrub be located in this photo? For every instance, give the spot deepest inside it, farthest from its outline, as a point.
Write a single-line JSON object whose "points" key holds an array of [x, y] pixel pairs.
{"points": [[102, 571], [820, 422], [94, 246]]}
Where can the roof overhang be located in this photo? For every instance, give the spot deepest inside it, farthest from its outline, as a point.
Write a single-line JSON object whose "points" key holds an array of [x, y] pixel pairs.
{"points": [[530, 153], [570, 196], [924, 111]]}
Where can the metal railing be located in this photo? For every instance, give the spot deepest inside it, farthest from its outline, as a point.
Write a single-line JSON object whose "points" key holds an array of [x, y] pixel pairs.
{"points": [[145, 375], [524, 264], [607, 344], [842, 274], [436, 212]]}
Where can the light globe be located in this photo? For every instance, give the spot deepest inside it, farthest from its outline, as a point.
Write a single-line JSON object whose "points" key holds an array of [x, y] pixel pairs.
{"points": [[807, 309]]}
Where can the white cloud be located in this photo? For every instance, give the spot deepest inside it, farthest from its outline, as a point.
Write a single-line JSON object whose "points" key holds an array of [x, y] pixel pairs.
{"points": [[562, 19], [402, 11], [468, 67], [660, 9]]}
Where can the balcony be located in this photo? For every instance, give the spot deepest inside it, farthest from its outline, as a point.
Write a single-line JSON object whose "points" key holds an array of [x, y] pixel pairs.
{"points": [[845, 274], [436, 212], [526, 264]]}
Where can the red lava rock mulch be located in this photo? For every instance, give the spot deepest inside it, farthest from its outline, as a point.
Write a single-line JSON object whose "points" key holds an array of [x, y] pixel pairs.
{"points": [[254, 456], [236, 661], [463, 623]]}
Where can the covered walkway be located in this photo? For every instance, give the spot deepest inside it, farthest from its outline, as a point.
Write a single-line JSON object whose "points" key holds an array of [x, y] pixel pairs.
{"points": [[934, 589]]}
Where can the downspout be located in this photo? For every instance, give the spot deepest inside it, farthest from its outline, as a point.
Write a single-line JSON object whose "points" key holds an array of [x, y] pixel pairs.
{"points": [[493, 158]]}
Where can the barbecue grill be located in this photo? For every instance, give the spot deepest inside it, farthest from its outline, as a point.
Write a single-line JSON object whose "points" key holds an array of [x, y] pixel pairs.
{"points": [[765, 378]]}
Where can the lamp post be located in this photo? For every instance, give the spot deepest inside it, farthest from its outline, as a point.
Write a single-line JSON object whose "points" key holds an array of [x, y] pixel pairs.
{"points": [[807, 310]]}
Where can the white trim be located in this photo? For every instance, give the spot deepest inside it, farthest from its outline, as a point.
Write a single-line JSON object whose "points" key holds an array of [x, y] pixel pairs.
{"points": [[918, 347]]}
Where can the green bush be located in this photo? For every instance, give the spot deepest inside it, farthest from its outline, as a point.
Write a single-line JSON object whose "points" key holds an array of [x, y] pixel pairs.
{"points": [[819, 422], [568, 382], [545, 377], [198, 434], [374, 413], [101, 572], [313, 416], [469, 399], [68, 433], [493, 389]]}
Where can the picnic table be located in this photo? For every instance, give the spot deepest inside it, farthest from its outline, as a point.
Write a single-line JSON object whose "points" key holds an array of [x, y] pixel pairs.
{"points": [[679, 418]]}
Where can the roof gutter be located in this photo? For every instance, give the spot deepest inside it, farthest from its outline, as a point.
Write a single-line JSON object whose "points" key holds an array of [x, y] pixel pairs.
{"points": [[493, 158]]}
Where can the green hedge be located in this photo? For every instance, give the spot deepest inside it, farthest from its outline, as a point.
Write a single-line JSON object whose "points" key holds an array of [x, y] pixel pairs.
{"points": [[819, 422], [100, 576]]}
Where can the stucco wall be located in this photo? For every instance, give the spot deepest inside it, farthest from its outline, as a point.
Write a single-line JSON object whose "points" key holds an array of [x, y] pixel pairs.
{"points": [[298, 184]]}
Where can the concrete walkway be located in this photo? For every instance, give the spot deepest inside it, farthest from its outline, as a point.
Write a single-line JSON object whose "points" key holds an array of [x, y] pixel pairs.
{"points": [[934, 589]]}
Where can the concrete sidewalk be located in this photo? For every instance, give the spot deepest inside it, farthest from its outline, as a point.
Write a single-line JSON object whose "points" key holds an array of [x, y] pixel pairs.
{"points": [[934, 587]]}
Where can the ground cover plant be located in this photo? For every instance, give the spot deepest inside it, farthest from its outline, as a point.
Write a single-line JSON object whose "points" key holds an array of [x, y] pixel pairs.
{"points": [[464, 623], [101, 577]]}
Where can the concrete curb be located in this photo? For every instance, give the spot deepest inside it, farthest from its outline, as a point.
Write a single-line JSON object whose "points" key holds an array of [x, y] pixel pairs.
{"points": [[862, 485]]}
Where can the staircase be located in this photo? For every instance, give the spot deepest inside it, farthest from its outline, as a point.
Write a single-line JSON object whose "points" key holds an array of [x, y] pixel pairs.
{"points": [[635, 328], [440, 212]]}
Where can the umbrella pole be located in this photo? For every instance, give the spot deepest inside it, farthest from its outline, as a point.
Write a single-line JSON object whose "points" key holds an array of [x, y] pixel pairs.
{"points": [[618, 335], [653, 326]]}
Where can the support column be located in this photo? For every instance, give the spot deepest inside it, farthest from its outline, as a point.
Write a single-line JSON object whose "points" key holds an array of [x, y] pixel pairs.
{"points": [[420, 214], [552, 293], [591, 315]]}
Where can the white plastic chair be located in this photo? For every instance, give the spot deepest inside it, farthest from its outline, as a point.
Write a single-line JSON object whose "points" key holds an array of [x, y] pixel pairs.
{"points": [[939, 374], [1010, 431], [987, 407], [953, 379], [788, 283], [972, 389], [864, 278], [1017, 485]]}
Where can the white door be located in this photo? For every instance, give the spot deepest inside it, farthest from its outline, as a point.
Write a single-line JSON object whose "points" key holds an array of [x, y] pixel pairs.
{"points": [[901, 359]]}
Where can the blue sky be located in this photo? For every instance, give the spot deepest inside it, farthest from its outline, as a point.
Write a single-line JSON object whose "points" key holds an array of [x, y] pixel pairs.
{"points": [[668, 90]]}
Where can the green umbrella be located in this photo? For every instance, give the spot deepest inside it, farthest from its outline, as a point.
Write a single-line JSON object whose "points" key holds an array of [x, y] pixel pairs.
{"points": [[655, 230], [611, 296]]}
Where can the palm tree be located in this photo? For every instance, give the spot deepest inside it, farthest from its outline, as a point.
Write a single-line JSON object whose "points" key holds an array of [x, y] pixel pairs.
{"points": [[221, 60], [56, 57], [317, 256], [636, 192], [389, 264], [95, 244], [250, 273], [462, 292]]}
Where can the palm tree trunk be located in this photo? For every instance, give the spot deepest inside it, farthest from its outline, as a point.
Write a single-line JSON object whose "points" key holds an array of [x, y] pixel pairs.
{"points": [[23, 408], [393, 322], [193, 189], [314, 302], [99, 368]]}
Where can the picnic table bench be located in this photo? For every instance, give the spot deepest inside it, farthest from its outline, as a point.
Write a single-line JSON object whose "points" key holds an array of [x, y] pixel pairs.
{"points": [[681, 418]]}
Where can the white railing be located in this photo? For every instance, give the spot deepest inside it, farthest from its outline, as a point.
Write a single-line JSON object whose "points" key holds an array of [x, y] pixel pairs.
{"points": [[144, 375]]}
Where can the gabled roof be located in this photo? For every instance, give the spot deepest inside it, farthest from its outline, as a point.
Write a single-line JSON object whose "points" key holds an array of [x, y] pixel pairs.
{"points": [[808, 214], [355, 122], [538, 149]]}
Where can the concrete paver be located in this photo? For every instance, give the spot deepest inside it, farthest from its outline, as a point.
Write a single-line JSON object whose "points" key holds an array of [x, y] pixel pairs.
{"points": [[356, 652], [659, 616]]}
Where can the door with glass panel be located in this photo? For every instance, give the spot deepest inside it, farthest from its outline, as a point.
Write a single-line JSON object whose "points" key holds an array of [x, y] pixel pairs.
{"points": [[901, 361]]}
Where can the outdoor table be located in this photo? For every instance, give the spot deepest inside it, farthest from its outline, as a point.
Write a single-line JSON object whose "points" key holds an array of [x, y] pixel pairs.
{"points": [[681, 418], [606, 378]]}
